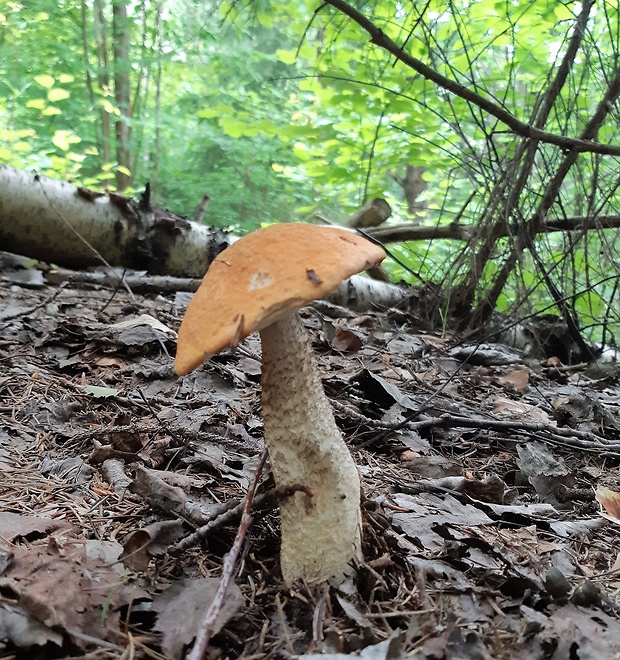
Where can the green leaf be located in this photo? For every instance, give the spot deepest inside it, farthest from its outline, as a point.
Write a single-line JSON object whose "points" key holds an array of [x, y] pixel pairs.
{"points": [[58, 94], [51, 110], [301, 151], [100, 392], [45, 80], [60, 140], [215, 111], [65, 78], [286, 56], [265, 19], [234, 127], [37, 104], [64, 139]]}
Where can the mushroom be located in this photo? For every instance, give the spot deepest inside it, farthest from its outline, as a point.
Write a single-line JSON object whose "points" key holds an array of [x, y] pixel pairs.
{"points": [[258, 284]]}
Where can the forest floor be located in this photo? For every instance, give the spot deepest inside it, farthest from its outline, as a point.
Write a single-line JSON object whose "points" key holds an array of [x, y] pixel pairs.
{"points": [[482, 535]]}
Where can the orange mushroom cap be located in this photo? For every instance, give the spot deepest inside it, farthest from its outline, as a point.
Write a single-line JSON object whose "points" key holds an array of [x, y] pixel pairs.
{"points": [[263, 276]]}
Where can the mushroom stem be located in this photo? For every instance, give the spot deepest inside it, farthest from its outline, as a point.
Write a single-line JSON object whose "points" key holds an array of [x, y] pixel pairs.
{"points": [[321, 534]]}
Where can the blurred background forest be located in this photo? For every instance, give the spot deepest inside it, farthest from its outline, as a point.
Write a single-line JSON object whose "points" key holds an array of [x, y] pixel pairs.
{"points": [[493, 123]]}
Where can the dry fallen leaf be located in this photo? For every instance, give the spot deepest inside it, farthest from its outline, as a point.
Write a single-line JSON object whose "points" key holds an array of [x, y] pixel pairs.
{"points": [[390, 649], [94, 587], [182, 607], [518, 379], [420, 515], [509, 409], [14, 525], [543, 469], [346, 340], [18, 627], [150, 541], [610, 501]]}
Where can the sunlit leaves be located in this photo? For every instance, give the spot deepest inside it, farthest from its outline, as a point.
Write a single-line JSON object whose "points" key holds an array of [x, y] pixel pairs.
{"points": [[57, 94], [123, 170], [45, 80], [64, 139], [216, 111], [37, 104], [286, 56], [108, 107]]}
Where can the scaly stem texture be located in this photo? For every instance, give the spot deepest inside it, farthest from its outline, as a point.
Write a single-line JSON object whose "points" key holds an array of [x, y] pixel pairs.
{"points": [[321, 534]]}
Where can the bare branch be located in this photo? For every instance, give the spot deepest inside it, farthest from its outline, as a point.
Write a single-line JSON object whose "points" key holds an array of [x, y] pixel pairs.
{"points": [[379, 38]]}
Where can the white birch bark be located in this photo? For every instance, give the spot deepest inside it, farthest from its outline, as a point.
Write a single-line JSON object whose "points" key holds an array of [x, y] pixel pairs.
{"points": [[60, 223]]}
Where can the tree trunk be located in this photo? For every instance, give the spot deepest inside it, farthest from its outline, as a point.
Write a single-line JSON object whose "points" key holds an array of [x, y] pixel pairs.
{"points": [[158, 78], [101, 46], [60, 223], [120, 32]]}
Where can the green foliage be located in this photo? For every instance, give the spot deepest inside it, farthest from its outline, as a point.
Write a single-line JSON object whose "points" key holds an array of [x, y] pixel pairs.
{"points": [[283, 111]]}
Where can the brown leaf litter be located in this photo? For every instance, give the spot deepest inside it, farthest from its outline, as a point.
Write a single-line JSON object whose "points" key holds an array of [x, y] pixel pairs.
{"points": [[120, 488]]}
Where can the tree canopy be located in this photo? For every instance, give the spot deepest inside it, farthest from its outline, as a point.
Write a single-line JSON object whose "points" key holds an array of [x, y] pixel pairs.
{"points": [[498, 117]]}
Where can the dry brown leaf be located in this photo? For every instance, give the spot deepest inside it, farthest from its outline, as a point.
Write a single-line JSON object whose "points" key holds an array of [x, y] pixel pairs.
{"points": [[14, 525], [517, 379], [610, 501], [432, 467], [507, 408], [93, 583], [390, 649], [575, 632], [182, 607], [421, 514], [346, 340], [19, 628], [150, 541], [543, 469], [106, 361]]}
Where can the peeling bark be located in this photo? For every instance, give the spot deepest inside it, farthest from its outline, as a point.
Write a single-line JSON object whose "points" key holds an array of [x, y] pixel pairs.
{"points": [[60, 223]]}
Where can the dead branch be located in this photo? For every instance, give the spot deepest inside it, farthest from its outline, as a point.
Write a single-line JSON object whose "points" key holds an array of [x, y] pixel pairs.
{"points": [[584, 440], [379, 38], [206, 629], [458, 232]]}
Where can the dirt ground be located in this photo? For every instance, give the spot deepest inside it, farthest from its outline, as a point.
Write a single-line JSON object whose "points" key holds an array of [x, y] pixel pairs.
{"points": [[119, 484]]}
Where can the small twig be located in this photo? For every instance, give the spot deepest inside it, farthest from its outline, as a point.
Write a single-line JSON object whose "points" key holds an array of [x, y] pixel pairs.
{"points": [[226, 517], [165, 427], [101, 643], [558, 435], [357, 416], [117, 288], [9, 316], [262, 501], [206, 627], [202, 208], [513, 425]]}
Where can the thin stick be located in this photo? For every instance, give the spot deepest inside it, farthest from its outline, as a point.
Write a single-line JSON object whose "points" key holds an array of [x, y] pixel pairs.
{"points": [[228, 568]]}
